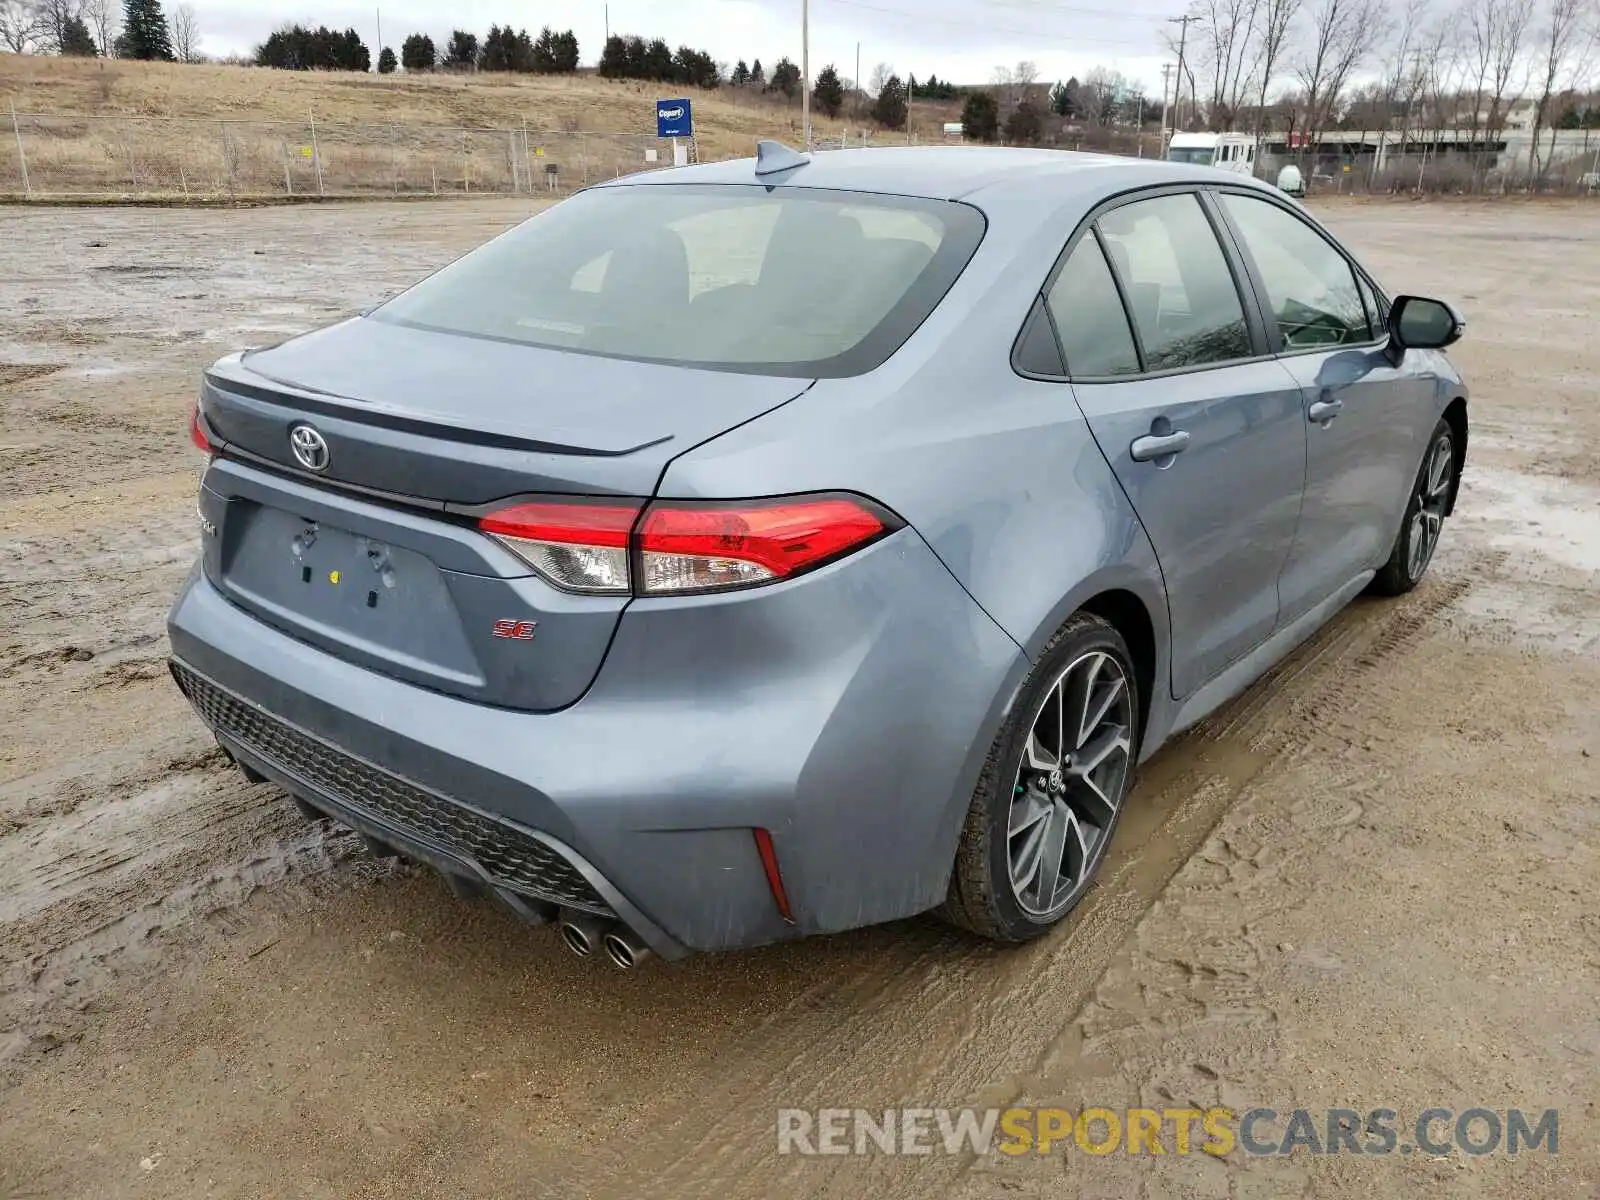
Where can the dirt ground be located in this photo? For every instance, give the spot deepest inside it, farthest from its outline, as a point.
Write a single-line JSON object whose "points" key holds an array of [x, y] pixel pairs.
{"points": [[1367, 883]]}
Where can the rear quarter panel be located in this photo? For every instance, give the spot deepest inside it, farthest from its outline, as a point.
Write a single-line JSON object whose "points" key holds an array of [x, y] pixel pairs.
{"points": [[998, 473]]}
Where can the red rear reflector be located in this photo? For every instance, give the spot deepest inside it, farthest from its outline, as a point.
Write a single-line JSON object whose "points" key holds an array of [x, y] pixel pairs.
{"points": [[769, 864], [197, 433], [696, 547]]}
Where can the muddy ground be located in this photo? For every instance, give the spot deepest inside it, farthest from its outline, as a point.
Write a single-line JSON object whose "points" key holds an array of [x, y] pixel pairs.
{"points": [[1369, 882]]}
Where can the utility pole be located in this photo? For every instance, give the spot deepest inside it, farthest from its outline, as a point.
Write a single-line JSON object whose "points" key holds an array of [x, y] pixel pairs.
{"points": [[608, 22], [1183, 37], [1166, 105], [805, 71], [379, 11], [857, 105]]}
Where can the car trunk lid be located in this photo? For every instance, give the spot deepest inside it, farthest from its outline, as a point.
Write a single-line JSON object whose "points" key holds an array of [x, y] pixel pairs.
{"points": [[376, 557]]}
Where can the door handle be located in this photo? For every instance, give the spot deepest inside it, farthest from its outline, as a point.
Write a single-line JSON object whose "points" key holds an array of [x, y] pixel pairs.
{"points": [[1323, 411], [1158, 445]]}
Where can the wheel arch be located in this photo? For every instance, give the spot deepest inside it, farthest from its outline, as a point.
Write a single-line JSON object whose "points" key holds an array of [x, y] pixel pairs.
{"points": [[1132, 600]]}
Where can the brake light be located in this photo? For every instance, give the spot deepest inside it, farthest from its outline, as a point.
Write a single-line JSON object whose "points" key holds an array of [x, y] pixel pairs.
{"points": [[603, 547], [197, 433], [578, 545], [686, 547]]}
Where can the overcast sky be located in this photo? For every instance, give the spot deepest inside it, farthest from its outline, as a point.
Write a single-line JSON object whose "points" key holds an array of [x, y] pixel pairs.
{"points": [[961, 40]]}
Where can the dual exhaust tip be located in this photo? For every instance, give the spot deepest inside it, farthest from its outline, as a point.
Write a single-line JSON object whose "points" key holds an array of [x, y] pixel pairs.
{"points": [[585, 935]]}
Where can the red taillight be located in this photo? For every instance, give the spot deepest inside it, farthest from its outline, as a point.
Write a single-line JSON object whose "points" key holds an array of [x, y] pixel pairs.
{"points": [[686, 547], [578, 545], [197, 433], [602, 547]]}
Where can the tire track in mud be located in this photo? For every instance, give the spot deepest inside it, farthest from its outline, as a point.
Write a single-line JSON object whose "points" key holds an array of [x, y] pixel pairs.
{"points": [[130, 829], [987, 1027]]}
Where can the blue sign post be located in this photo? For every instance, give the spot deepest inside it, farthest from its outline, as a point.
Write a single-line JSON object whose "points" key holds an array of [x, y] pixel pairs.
{"points": [[674, 119]]}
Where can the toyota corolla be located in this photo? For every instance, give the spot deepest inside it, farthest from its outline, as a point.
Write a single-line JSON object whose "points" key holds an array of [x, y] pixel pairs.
{"points": [[773, 547]]}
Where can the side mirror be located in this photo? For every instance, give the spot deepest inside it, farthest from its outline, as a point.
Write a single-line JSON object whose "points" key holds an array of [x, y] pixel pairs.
{"points": [[1418, 323]]}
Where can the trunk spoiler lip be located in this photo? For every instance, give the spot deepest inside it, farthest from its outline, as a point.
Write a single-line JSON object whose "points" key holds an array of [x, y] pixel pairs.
{"points": [[284, 392]]}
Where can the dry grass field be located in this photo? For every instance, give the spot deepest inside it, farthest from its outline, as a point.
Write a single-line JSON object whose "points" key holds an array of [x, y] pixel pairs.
{"points": [[96, 127]]}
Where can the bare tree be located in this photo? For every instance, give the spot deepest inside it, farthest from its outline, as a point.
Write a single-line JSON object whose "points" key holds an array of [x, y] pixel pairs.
{"points": [[1400, 85], [104, 18], [1277, 17], [1560, 38], [54, 16], [20, 26], [880, 76], [1228, 29], [1343, 32], [185, 34]]}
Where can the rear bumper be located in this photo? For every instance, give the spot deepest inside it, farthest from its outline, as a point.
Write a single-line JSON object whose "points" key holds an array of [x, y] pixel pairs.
{"points": [[847, 712]]}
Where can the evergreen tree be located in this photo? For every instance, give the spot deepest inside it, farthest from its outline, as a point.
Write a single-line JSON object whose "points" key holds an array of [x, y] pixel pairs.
{"points": [[416, 53], [76, 40], [566, 49], [758, 77], [1023, 125], [462, 50], [827, 97], [785, 78], [980, 118], [889, 109], [741, 74], [144, 32], [1066, 99], [386, 61], [614, 58]]}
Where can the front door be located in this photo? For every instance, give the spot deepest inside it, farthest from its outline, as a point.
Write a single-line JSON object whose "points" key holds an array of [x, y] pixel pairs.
{"points": [[1360, 411], [1207, 439]]}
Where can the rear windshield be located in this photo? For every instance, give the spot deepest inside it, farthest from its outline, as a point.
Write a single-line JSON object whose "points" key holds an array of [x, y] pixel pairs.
{"points": [[794, 282], [1198, 156]]}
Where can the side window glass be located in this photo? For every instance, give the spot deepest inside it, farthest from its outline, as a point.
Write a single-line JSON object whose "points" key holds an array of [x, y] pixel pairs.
{"points": [[1089, 318], [1311, 286], [1185, 304], [1377, 307], [1037, 352]]}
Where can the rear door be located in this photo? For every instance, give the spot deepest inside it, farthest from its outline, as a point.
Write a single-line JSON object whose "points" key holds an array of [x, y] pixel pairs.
{"points": [[1366, 420], [1204, 431]]}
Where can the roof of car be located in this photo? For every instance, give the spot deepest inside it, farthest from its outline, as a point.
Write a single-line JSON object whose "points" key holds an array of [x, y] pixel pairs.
{"points": [[938, 172]]}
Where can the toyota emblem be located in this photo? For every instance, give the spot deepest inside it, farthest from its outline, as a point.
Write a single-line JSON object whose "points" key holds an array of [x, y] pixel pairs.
{"points": [[310, 448]]}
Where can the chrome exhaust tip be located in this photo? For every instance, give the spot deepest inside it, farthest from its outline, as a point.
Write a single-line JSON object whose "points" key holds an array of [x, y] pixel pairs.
{"points": [[624, 949], [582, 934]]}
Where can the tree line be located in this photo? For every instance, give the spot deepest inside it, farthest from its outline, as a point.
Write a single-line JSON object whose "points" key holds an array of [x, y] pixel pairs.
{"points": [[137, 29], [627, 56]]}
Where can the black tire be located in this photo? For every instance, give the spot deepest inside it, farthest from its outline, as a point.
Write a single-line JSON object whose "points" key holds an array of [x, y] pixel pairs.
{"points": [[982, 897], [1430, 497]]}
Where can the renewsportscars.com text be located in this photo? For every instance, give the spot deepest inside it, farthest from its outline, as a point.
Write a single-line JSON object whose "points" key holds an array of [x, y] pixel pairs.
{"points": [[1152, 1131]]}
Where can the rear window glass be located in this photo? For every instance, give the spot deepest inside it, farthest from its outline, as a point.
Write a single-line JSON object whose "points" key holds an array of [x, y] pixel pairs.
{"points": [[786, 282]]}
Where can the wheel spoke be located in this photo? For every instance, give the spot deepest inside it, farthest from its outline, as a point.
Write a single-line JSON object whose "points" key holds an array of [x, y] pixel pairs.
{"points": [[1037, 756], [1053, 850], [1026, 862], [1094, 754], [1027, 810], [1099, 708], [1091, 802], [1077, 847]]}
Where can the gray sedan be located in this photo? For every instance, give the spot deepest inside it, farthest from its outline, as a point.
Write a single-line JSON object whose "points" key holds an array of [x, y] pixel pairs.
{"points": [[780, 546]]}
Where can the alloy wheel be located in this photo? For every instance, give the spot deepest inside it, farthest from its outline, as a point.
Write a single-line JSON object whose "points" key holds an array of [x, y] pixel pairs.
{"points": [[1075, 767], [1433, 495]]}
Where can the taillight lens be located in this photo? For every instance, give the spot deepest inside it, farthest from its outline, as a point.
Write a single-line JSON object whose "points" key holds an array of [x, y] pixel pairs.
{"points": [[580, 546], [689, 547], [197, 433], [602, 547]]}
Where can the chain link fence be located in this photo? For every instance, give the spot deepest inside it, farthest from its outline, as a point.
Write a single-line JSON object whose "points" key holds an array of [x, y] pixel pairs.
{"points": [[66, 157]]}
